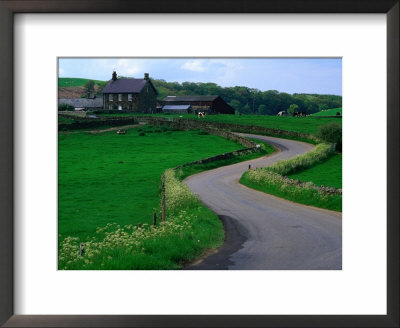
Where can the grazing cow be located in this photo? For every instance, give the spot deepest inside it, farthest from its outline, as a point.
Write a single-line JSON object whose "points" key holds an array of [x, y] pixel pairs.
{"points": [[201, 114], [282, 113], [121, 131]]}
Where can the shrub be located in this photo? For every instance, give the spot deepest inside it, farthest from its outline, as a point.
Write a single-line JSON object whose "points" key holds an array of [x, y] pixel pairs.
{"points": [[203, 133], [331, 133], [65, 107], [142, 134]]}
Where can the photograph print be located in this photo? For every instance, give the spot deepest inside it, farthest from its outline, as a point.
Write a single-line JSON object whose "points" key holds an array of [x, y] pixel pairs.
{"points": [[199, 163]]}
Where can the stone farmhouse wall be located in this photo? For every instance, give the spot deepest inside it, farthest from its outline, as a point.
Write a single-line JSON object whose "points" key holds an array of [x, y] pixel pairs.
{"points": [[143, 102]]}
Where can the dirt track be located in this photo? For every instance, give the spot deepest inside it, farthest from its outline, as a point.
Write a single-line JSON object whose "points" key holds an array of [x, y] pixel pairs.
{"points": [[263, 231]]}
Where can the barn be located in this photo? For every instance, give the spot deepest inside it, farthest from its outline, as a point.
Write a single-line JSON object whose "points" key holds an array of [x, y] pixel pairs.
{"points": [[129, 94], [176, 109], [207, 104]]}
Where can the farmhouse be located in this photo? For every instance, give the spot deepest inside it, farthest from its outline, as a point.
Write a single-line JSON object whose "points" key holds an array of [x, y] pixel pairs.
{"points": [[136, 95], [83, 103], [207, 104]]}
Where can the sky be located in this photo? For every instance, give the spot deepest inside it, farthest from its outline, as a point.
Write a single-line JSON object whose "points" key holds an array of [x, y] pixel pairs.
{"points": [[291, 75]]}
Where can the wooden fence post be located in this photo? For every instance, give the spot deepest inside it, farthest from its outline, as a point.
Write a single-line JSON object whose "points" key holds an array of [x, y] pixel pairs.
{"points": [[154, 219], [163, 200], [81, 249], [249, 166]]}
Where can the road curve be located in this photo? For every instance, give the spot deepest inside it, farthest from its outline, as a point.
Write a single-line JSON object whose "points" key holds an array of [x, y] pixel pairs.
{"points": [[263, 231]]}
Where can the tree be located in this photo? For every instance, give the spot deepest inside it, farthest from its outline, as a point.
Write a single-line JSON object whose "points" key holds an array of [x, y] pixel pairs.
{"points": [[332, 133], [292, 109], [235, 104], [89, 86], [263, 110]]}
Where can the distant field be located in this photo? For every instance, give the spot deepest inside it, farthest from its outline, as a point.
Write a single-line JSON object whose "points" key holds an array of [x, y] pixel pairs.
{"points": [[107, 177], [74, 82], [328, 112], [328, 173], [308, 124]]}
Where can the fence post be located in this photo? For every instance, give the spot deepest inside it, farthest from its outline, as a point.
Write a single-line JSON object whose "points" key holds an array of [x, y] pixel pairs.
{"points": [[81, 249], [154, 219], [163, 200], [249, 166]]}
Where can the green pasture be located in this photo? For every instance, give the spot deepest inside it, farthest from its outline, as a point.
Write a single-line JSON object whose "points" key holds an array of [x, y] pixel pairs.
{"points": [[107, 177], [309, 124], [74, 82], [328, 173], [328, 112]]}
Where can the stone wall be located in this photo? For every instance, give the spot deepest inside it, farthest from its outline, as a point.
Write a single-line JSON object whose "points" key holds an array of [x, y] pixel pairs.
{"points": [[94, 123], [189, 124]]}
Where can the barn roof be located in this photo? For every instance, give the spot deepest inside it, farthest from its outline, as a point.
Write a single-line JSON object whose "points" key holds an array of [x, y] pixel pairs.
{"points": [[126, 86], [190, 98], [176, 107], [82, 102]]}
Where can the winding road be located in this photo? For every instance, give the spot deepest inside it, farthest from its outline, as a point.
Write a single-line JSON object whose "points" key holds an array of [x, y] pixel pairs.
{"points": [[263, 231]]}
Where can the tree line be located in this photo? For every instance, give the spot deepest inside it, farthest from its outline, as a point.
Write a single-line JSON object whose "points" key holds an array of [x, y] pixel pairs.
{"points": [[249, 100]]}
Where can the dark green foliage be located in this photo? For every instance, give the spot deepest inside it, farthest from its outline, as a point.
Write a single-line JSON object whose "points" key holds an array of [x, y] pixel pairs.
{"points": [[89, 86], [65, 107], [142, 134], [331, 133]]}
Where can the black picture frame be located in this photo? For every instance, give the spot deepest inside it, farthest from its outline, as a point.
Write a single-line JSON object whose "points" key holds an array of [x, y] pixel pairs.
{"points": [[10, 7]]}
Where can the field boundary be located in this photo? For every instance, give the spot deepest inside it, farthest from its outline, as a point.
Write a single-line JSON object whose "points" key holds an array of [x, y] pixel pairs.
{"points": [[189, 124]]}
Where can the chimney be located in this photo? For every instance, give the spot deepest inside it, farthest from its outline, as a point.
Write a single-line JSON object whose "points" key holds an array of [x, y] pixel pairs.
{"points": [[146, 76], [114, 76]]}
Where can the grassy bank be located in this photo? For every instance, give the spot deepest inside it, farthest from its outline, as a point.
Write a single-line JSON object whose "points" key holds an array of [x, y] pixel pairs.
{"points": [[273, 180], [74, 82], [109, 178], [190, 229], [275, 184], [326, 173], [186, 171]]}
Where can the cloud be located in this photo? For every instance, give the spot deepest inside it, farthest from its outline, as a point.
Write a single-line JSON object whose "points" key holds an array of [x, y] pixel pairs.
{"points": [[193, 65], [126, 66], [61, 70]]}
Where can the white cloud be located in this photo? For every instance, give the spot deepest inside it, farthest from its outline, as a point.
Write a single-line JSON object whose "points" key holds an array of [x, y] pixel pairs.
{"points": [[61, 70], [194, 65]]}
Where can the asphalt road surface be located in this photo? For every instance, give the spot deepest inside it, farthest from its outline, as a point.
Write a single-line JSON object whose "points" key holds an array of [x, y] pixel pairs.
{"points": [[265, 232]]}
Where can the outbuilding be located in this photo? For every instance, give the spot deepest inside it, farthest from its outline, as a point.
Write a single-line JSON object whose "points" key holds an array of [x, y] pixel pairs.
{"points": [[177, 109], [207, 104]]}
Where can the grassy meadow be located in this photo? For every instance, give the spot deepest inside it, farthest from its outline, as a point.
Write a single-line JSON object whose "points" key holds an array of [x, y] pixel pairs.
{"points": [[309, 124], [327, 173], [108, 178], [328, 112], [74, 82]]}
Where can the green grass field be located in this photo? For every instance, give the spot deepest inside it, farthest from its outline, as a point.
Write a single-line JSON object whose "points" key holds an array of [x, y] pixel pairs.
{"points": [[307, 124], [74, 82], [328, 112], [107, 177], [328, 173]]}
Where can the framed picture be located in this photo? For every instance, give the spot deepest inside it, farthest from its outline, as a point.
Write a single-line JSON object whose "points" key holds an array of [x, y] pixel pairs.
{"points": [[160, 298]]}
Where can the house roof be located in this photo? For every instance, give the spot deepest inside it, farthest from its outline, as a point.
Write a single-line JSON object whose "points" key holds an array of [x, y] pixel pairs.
{"points": [[190, 98], [82, 102], [126, 86], [176, 107]]}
